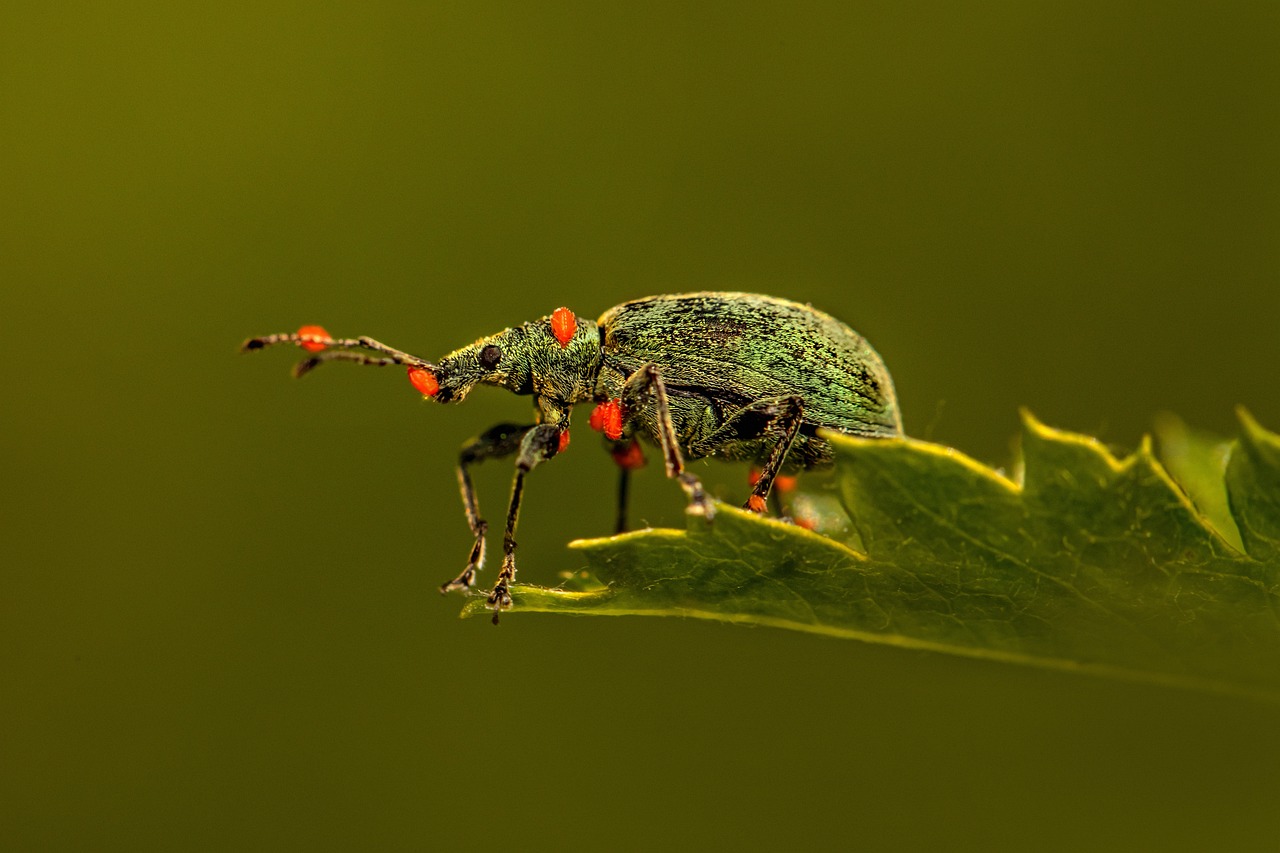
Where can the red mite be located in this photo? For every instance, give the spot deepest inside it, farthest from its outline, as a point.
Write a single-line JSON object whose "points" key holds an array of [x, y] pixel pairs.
{"points": [[424, 380], [313, 332], [630, 457], [782, 483], [607, 418], [563, 325]]}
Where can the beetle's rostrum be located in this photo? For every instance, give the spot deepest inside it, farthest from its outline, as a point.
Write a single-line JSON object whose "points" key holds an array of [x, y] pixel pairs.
{"points": [[732, 376]]}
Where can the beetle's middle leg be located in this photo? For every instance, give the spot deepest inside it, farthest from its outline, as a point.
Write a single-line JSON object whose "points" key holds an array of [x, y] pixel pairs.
{"points": [[495, 443], [648, 380], [628, 456]]}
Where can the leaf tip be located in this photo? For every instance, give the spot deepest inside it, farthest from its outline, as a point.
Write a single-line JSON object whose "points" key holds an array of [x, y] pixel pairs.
{"points": [[1034, 428], [1256, 438], [1249, 423]]}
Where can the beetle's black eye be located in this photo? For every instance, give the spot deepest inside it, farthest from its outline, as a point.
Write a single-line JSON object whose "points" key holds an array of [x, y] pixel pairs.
{"points": [[490, 356]]}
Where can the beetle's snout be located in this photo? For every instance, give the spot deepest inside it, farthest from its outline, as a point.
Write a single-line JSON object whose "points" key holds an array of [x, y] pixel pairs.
{"points": [[448, 382]]}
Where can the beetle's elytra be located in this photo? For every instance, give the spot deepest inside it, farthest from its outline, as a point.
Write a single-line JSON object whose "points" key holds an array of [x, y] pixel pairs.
{"points": [[734, 376]]}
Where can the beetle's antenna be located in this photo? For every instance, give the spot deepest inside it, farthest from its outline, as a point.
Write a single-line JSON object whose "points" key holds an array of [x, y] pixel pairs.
{"points": [[308, 364], [317, 340]]}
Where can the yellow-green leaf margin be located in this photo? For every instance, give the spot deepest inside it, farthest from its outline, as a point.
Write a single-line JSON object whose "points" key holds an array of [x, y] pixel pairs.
{"points": [[1081, 561]]}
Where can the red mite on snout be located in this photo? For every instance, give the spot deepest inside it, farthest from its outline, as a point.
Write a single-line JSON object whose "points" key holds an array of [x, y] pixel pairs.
{"points": [[424, 380]]}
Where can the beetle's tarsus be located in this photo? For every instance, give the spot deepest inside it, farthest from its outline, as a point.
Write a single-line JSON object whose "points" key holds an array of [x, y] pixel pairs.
{"points": [[500, 598], [464, 581], [699, 503], [475, 563]]}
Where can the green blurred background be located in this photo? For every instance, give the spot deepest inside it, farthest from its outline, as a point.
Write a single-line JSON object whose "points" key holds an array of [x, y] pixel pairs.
{"points": [[220, 626]]}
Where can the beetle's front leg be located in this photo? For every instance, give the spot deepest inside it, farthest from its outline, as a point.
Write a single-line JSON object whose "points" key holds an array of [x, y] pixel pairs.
{"points": [[495, 443], [648, 380], [539, 443]]}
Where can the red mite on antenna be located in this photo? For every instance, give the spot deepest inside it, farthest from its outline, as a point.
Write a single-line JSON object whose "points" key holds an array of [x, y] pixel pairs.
{"points": [[313, 332]]}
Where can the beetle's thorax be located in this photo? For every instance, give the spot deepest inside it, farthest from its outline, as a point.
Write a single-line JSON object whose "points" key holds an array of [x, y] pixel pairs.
{"points": [[528, 359]]}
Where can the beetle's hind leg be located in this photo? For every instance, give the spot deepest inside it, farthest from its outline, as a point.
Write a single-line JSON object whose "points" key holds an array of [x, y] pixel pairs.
{"points": [[648, 380], [789, 417], [495, 443], [781, 485], [776, 416]]}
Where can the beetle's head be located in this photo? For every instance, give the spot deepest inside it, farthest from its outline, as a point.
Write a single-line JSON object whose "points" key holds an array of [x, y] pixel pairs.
{"points": [[556, 356]]}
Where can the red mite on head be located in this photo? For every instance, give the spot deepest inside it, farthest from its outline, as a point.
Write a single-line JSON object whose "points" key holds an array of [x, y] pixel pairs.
{"points": [[735, 376]]}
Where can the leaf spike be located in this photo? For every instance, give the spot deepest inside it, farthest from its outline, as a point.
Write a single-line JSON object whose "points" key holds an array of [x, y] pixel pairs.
{"points": [[1250, 425]]}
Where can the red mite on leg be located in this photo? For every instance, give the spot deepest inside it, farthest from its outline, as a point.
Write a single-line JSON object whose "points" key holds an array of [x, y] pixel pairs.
{"points": [[607, 418], [630, 457], [564, 441], [781, 486], [781, 483]]}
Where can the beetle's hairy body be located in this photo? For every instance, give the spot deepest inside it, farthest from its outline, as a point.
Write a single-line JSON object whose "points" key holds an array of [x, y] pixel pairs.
{"points": [[736, 376], [728, 359]]}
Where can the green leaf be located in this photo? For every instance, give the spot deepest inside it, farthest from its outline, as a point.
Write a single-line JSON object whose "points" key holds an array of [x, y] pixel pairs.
{"points": [[1197, 460], [1253, 486], [1087, 562]]}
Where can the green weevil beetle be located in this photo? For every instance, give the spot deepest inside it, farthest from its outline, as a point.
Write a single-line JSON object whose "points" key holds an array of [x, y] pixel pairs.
{"points": [[731, 376]]}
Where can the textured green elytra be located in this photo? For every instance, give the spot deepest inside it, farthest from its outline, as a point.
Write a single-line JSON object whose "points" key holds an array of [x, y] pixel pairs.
{"points": [[728, 358], [736, 376]]}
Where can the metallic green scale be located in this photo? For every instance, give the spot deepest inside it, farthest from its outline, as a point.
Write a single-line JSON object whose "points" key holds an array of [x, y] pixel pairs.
{"points": [[727, 358]]}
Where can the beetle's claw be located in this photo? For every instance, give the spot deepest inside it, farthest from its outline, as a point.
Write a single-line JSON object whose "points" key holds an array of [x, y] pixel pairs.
{"points": [[699, 503], [500, 599], [463, 581]]}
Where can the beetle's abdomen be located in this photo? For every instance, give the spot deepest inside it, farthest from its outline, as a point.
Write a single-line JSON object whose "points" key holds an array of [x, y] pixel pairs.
{"points": [[737, 348]]}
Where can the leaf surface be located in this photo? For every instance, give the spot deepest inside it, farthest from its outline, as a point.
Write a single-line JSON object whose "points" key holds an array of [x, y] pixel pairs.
{"points": [[1085, 561]]}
